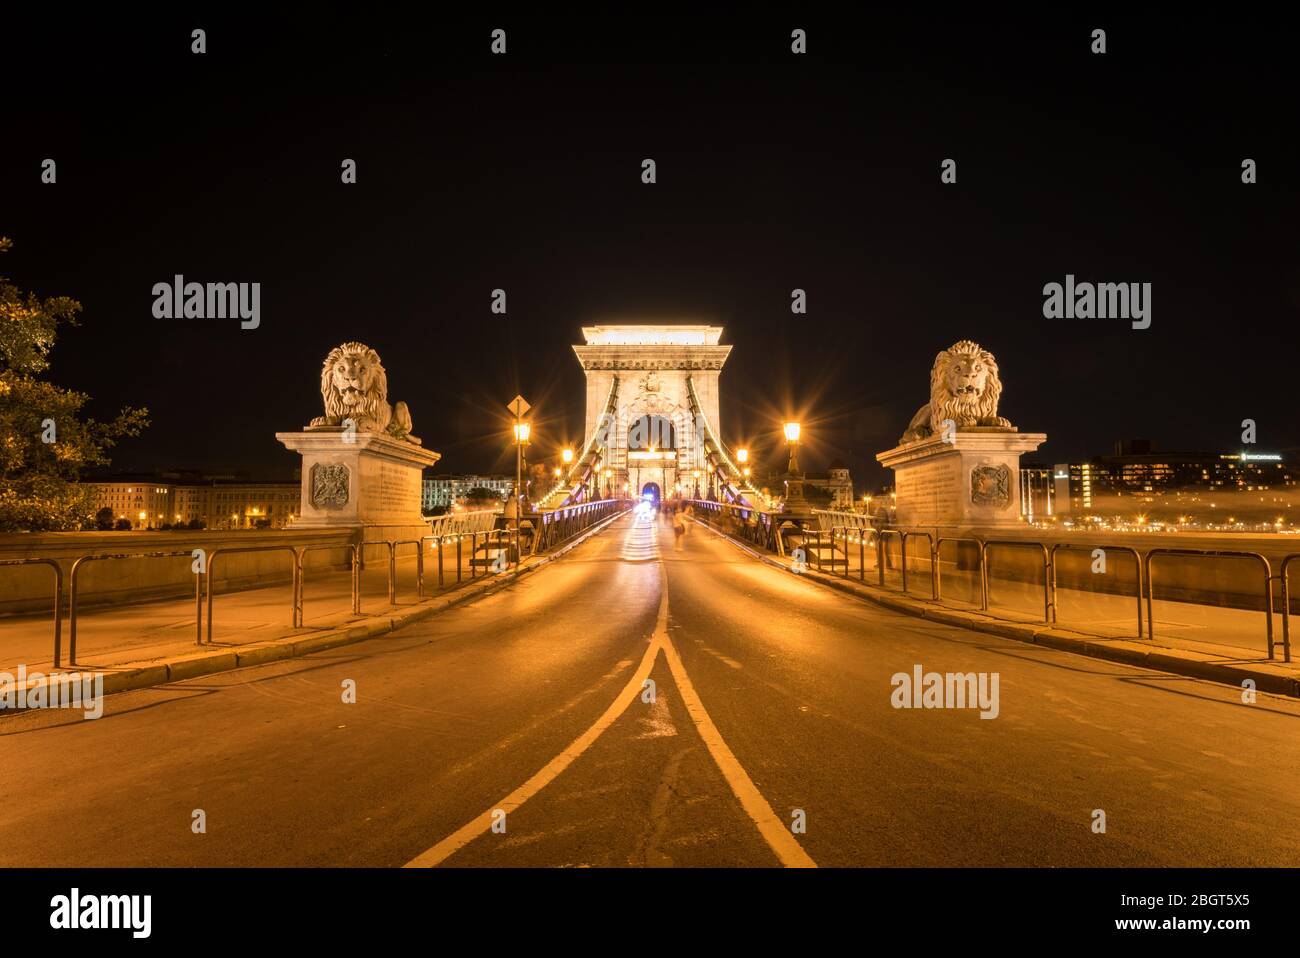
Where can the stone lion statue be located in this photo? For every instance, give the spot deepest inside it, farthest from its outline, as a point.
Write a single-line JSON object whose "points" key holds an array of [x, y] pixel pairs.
{"points": [[964, 387], [354, 387]]}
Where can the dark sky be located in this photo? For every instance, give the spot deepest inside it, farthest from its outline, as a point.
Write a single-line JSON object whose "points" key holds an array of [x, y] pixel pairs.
{"points": [[774, 172]]}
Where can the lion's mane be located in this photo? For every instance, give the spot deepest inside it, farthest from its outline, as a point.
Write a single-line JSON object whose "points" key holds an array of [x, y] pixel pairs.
{"points": [[979, 410], [373, 412], [945, 405]]}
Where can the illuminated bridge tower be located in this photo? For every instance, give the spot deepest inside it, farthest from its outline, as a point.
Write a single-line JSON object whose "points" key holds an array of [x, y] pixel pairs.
{"points": [[647, 387]]}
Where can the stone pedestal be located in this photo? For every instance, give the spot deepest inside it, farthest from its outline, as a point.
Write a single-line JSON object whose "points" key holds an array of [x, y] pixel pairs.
{"points": [[972, 480], [368, 481]]}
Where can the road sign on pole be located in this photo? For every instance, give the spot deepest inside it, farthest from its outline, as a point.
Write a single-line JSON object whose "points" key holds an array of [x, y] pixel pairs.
{"points": [[518, 406]]}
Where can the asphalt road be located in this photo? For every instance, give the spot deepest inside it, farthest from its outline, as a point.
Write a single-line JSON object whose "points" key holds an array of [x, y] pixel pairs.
{"points": [[771, 704]]}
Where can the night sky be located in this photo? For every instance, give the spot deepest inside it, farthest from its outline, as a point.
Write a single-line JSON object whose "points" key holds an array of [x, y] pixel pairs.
{"points": [[775, 171]]}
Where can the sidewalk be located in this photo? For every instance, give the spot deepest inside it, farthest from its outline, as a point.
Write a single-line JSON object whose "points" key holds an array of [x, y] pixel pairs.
{"points": [[154, 643], [1205, 642]]}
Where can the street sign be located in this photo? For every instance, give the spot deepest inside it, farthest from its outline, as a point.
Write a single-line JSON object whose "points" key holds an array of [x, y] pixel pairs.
{"points": [[518, 406]]}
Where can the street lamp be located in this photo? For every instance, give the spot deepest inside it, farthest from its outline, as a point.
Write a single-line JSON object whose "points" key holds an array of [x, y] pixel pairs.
{"points": [[696, 474], [522, 431], [567, 456], [742, 456], [794, 482]]}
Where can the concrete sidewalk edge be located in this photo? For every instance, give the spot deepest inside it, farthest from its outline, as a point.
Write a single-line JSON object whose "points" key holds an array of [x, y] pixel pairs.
{"points": [[199, 663], [1162, 658]]}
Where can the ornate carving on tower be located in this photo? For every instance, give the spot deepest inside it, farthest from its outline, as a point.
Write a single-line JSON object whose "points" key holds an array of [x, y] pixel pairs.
{"points": [[663, 358]]}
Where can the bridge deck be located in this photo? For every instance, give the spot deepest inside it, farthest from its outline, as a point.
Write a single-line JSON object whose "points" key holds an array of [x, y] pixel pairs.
{"points": [[773, 696]]}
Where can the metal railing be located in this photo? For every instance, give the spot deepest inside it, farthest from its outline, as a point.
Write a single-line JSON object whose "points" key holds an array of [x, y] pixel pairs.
{"points": [[934, 588], [58, 599], [1047, 570], [295, 606], [1283, 574], [459, 523], [863, 537], [1201, 553], [419, 565], [1144, 584], [1137, 563], [82, 560], [755, 526], [938, 568], [554, 527], [354, 567]]}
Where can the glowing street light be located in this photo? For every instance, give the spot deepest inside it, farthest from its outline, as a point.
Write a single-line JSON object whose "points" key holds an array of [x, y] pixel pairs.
{"points": [[522, 431], [567, 456], [742, 456]]}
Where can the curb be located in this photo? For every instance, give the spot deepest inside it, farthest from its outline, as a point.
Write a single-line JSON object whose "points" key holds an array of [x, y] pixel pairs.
{"points": [[198, 664], [1161, 658]]}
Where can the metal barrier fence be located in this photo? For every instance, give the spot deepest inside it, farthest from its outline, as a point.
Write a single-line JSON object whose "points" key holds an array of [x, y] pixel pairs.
{"points": [[1284, 575], [1047, 572], [354, 567], [830, 531], [759, 528], [81, 561], [294, 570], [1198, 553], [58, 600], [556, 528], [938, 567], [1137, 575]]}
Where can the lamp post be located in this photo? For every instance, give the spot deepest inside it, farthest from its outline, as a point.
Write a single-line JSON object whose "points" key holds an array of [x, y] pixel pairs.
{"points": [[522, 431], [696, 474], [794, 480], [518, 407]]}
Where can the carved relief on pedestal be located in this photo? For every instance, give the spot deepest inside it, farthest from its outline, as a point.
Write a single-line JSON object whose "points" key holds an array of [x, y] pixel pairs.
{"points": [[329, 486], [990, 486]]}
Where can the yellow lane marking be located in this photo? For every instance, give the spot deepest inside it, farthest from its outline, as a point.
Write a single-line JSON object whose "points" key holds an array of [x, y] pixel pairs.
{"points": [[483, 823], [782, 842], [773, 830]]}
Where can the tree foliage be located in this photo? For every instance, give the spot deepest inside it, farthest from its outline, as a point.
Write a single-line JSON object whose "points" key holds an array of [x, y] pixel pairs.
{"points": [[45, 441]]}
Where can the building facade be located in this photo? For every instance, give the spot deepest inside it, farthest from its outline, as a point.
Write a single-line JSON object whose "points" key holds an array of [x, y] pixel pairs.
{"points": [[444, 491], [653, 442], [1136, 469], [150, 502]]}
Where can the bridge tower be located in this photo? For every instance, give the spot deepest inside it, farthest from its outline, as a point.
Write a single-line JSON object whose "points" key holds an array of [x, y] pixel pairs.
{"points": [[646, 386]]}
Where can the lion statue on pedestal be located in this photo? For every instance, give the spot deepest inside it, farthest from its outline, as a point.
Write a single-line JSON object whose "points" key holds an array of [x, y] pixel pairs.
{"points": [[964, 387], [354, 388]]}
